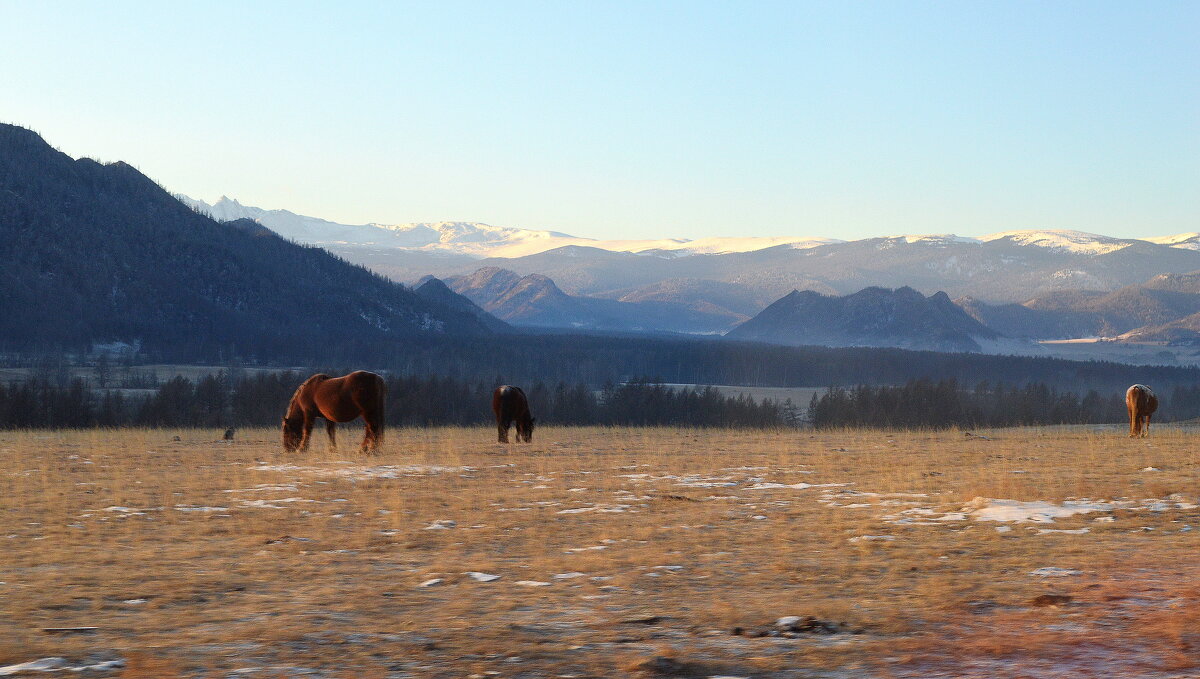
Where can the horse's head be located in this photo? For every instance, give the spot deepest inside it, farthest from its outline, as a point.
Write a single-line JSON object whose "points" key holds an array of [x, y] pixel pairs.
{"points": [[525, 428], [292, 433]]}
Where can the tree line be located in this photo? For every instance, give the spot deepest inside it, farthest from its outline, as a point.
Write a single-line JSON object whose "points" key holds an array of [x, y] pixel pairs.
{"points": [[239, 399], [945, 404]]}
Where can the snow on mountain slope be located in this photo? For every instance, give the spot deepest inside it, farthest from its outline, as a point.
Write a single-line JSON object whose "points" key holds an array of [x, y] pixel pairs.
{"points": [[1189, 241], [472, 238], [1074, 241]]}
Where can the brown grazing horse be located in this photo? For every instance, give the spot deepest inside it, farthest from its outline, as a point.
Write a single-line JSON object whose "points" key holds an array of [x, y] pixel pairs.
{"points": [[1141, 403], [511, 406], [337, 399]]}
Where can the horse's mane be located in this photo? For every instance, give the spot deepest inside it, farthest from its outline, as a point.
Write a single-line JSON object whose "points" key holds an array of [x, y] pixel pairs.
{"points": [[319, 377]]}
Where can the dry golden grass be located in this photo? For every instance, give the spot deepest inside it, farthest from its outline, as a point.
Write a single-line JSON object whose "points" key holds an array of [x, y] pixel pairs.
{"points": [[199, 557]]}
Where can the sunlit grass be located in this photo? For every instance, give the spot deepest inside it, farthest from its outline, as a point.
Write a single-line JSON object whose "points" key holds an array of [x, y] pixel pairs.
{"points": [[201, 555]]}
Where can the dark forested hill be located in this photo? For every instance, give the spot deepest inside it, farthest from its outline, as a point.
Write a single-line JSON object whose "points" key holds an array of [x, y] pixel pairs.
{"points": [[91, 252], [435, 290]]}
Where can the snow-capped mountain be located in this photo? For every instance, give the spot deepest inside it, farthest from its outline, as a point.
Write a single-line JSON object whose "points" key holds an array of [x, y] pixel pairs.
{"points": [[472, 238], [480, 240]]}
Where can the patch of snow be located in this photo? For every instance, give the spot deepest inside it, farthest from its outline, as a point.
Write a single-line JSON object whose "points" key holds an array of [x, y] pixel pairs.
{"points": [[270, 504], [576, 550], [604, 509], [873, 538], [266, 488], [482, 577], [796, 486], [1054, 572], [355, 472], [56, 664], [531, 583], [1037, 511]]}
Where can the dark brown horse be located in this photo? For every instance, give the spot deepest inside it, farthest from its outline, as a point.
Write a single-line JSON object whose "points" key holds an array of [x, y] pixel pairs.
{"points": [[337, 399], [511, 406], [1141, 403]]}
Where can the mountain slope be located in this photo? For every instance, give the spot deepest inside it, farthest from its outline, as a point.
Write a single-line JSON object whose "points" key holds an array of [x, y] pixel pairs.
{"points": [[97, 253], [537, 301], [435, 291], [1020, 321], [870, 317]]}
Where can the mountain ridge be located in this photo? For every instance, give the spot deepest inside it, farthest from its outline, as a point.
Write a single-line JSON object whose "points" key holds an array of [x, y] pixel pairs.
{"points": [[873, 316], [93, 252]]}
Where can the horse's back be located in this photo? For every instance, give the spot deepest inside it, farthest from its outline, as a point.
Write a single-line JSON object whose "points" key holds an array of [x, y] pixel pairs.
{"points": [[509, 400], [1141, 398], [344, 398]]}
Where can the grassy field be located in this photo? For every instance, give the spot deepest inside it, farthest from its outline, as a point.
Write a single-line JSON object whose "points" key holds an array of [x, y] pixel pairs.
{"points": [[632, 552]]}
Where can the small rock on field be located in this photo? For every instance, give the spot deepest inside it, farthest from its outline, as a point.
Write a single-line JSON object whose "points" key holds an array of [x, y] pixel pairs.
{"points": [[659, 665], [806, 625], [1051, 600], [982, 606], [431, 582], [482, 577]]}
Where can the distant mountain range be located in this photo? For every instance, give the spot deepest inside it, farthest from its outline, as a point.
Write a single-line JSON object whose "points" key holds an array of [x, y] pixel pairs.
{"points": [[1034, 284], [473, 239], [1012, 266], [96, 253]]}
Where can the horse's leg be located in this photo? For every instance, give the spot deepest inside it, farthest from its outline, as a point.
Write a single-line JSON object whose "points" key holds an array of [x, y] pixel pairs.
{"points": [[374, 431], [308, 427], [1133, 423], [502, 428], [1146, 428], [331, 429], [370, 442]]}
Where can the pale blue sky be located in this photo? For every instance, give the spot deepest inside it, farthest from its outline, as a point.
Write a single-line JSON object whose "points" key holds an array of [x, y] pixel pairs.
{"points": [[636, 119]]}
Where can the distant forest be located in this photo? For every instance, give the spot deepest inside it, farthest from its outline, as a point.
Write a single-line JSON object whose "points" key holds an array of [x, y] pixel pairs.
{"points": [[233, 400], [937, 405], [237, 399]]}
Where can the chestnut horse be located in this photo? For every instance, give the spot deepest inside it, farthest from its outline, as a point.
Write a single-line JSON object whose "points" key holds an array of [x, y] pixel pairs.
{"points": [[337, 399], [1141, 403], [510, 406]]}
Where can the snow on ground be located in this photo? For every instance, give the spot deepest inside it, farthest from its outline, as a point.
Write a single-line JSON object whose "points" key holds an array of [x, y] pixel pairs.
{"points": [[1015, 511], [57, 665], [349, 470]]}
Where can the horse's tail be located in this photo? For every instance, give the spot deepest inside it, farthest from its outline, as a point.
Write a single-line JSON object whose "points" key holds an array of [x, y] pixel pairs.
{"points": [[380, 405]]}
